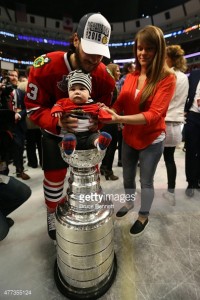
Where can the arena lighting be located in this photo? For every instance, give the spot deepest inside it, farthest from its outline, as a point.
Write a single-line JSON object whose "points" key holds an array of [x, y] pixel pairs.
{"points": [[42, 40], [123, 61], [64, 43], [15, 61], [192, 54], [118, 61], [7, 34]]}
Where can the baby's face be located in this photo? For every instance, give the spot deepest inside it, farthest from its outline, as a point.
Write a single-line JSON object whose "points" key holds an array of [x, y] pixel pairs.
{"points": [[78, 93]]}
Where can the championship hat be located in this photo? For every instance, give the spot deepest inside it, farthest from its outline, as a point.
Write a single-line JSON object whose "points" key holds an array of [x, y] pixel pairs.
{"points": [[78, 77], [94, 31]]}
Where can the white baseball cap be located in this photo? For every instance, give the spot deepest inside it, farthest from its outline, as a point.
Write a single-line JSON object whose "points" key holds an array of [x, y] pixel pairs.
{"points": [[94, 31]]}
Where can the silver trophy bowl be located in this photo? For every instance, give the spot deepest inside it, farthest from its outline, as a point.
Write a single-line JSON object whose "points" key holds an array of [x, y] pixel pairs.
{"points": [[83, 158], [86, 263]]}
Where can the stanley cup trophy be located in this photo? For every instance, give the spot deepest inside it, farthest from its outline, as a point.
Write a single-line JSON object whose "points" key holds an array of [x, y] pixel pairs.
{"points": [[86, 263]]}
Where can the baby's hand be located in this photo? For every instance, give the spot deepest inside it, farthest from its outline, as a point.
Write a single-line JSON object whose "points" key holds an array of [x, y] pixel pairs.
{"points": [[57, 115]]}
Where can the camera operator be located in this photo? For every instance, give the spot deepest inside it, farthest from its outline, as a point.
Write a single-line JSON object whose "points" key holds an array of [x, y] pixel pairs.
{"points": [[13, 98], [7, 124], [6, 88]]}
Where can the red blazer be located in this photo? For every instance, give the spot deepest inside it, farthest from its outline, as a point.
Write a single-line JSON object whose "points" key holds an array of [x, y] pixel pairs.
{"points": [[141, 136]]}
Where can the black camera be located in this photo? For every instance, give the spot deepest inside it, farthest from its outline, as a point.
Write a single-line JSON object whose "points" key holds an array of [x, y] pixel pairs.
{"points": [[6, 89], [7, 86]]}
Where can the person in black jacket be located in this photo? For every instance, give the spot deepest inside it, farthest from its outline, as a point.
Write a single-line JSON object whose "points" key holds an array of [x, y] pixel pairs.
{"points": [[106, 168], [20, 126], [192, 135], [13, 192]]}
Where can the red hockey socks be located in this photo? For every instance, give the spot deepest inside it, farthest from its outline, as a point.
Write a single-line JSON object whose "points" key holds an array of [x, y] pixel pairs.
{"points": [[68, 143]]}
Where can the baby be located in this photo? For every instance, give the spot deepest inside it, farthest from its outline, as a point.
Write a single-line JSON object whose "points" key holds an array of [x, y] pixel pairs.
{"points": [[79, 105]]}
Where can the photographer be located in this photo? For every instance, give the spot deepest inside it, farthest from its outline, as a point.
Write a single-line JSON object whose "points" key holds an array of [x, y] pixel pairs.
{"points": [[13, 98], [6, 89], [13, 192], [7, 124]]}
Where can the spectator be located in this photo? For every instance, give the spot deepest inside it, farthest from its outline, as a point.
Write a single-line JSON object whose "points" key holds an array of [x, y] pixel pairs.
{"points": [[7, 125], [20, 127], [128, 68], [192, 135], [33, 136], [107, 162], [12, 191], [144, 100], [175, 116], [47, 84], [23, 78]]}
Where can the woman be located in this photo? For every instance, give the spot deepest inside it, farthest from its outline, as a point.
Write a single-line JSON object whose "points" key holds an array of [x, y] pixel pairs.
{"points": [[144, 100], [107, 162], [175, 116]]}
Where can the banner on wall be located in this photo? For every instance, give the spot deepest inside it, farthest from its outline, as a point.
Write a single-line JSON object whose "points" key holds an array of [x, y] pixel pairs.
{"points": [[67, 23], [5, 65], [20, 12]]}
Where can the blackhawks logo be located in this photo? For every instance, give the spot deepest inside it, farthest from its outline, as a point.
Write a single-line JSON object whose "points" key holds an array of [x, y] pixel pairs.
{"points": [[41, 61]]}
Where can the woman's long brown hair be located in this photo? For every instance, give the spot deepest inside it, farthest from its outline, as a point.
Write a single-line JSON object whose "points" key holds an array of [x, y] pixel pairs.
{"points": [[157, 70]]}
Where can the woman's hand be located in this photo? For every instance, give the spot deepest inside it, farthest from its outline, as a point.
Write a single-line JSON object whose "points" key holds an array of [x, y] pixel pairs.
{"points": [[115, 116], [101, 105]]}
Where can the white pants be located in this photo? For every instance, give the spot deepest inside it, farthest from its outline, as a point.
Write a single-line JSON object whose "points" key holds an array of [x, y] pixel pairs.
{"points": [[173, 134]]}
